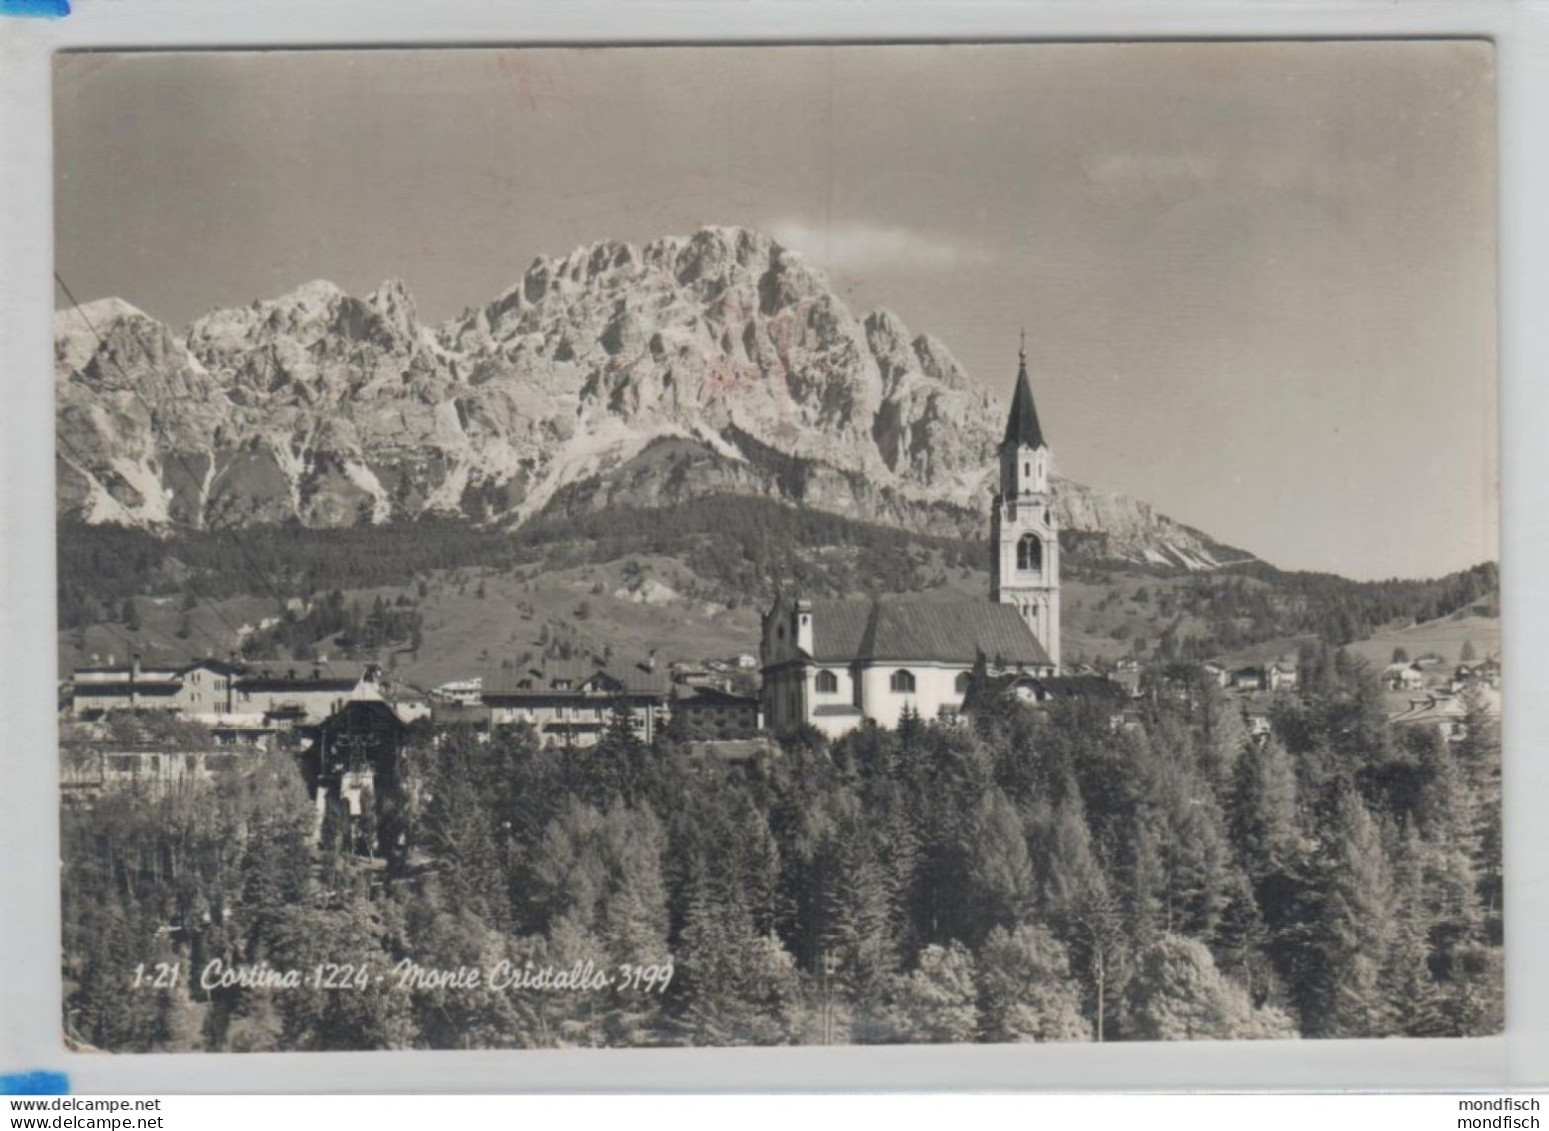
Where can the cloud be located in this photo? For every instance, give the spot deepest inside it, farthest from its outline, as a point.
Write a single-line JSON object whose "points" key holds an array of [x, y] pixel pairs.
{"points": [[859, 246]]}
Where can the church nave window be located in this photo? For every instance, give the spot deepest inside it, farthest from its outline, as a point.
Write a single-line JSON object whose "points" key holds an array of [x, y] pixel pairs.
{"points": [[963, 679], [902, 682], [827, 683]]}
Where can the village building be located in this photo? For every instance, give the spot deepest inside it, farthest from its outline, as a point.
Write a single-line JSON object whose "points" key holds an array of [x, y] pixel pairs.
{"points": [[1447, 712], [1488, 672], [571, 702], [103, 688], [1248, 679], [356, 766], [291, 693], [690, 671], [89, 770], [232, 699], [201, 688], [1282, 675], [1403, 676], [208, 690], [410, 705], [1127, 674], [446, 715], [466, 691], [835, 664], [986, 689], [704, 712]]}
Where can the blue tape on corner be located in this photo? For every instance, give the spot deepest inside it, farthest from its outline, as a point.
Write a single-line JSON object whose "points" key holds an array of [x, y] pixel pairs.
{"points": [[35, 9], [34, 1083]]}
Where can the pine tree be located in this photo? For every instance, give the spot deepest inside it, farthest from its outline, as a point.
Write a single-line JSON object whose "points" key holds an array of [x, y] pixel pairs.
{"points": [[998, 870], [739, 987], [351, 935], [936, 1003], [1241, 939], [1408, 979], [1445, 856], [1081, 908], [458, 828], [1351, 932], [601, 873], [1263, 824], [1177, 993], [858, 935], [1478, 754], [1026, 991], [1473, 1003]]}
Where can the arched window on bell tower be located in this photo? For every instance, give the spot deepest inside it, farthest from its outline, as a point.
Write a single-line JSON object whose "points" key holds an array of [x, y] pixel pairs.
{"points": [[1030, 554]]}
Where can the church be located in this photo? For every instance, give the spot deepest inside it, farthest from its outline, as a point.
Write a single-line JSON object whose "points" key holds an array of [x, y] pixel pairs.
{"points": [[835, 664]]}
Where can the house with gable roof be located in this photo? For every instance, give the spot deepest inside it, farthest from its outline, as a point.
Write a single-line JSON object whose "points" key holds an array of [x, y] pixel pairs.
{"points": [[570, 702]]}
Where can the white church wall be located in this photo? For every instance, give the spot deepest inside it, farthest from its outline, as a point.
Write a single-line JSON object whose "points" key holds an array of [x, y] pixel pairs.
{"points": [[844, 686], [935, 687], [837, 726]]}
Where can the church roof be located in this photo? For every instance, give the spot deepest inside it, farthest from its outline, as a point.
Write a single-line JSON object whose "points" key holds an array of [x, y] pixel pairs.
{"points": [[892, 630], [1022, 425]]}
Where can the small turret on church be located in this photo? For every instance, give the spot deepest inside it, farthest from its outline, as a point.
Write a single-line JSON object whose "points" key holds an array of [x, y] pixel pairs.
{"points": [[1025, 571]]}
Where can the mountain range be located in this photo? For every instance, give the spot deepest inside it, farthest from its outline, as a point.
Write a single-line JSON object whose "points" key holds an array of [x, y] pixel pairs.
{"points": [[619, 375]]}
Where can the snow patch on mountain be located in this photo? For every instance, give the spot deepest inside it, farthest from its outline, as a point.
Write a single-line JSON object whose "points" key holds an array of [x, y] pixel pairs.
{"points": [[330, 409]]}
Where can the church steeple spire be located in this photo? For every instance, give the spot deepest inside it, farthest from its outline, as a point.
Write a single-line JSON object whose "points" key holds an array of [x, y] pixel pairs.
{"points": [[1022, 425], [1025, 571]]}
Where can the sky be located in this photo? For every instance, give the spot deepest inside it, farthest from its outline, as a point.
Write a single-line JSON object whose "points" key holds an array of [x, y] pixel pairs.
{"points": [[1257, 280]]}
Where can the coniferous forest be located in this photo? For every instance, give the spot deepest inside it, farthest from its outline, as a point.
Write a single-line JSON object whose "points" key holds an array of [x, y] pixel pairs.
{"points": [[1042, 874]]}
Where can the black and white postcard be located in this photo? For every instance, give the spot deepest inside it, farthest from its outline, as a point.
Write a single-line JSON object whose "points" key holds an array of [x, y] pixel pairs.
{"points": [[707, 546]]}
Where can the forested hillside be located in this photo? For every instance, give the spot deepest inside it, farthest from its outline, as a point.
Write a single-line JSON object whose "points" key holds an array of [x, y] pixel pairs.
{"points": [[1037, 877], [732, 552]]}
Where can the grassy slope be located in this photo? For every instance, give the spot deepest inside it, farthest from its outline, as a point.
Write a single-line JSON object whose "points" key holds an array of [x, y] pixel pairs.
{"points": [[1105, 609], [464, 633], [1445, 637]]}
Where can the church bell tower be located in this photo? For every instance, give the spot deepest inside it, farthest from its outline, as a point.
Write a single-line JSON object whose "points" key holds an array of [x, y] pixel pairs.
{"points": [[1026, 567]]}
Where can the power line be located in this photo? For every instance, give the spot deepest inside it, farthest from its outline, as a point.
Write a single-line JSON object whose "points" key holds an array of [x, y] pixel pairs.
{"points": [[171, 447], [133, 389], [60, 438], [85, 463]]}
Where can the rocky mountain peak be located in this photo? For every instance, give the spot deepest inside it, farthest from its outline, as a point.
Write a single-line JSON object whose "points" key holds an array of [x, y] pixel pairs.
{"points": [[333, 409], [76, 332], [395, 306]]}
